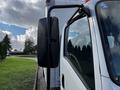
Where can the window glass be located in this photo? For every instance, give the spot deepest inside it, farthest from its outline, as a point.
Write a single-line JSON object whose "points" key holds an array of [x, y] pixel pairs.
{"points": [[78, 50], [109, 22]]}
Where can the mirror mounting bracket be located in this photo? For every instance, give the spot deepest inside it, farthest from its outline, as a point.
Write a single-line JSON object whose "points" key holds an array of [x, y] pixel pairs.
{"points": [[81, 9]]}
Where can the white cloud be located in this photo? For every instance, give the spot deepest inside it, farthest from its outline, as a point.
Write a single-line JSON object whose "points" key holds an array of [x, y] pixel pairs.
{"points": [[1, 35], [21, 38], [31, 33], [7, 32], [22, 12], [19, 45], [17, 42]]}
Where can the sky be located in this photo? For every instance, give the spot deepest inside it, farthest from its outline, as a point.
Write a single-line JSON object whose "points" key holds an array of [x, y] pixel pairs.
{"points": [[16, 30], [19, 19]]}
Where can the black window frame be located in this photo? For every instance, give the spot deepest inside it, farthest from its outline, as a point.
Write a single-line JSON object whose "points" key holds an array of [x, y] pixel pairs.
{"points": [[106, 49], [64, 49]]}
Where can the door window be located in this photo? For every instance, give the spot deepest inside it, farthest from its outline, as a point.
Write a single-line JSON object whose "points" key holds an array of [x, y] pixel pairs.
{"points": [[78, 50]]}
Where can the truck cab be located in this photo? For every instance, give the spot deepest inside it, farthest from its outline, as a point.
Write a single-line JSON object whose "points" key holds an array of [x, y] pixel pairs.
{"points": [[89, 50]]}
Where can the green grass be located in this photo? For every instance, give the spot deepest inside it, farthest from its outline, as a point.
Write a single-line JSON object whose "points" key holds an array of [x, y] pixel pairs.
{"points": [[17, 73]]}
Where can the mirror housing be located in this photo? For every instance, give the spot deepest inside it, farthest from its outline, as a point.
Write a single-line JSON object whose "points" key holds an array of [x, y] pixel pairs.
{"points": [[48, 47]]}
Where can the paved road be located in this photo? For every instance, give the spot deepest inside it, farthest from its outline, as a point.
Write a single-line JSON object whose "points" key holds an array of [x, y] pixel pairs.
{"points": [[31, 58], [41, 85]]}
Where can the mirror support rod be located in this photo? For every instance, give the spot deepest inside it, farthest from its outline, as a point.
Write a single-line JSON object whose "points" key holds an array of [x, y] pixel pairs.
{"points": [[49, 33], [62, 7]]}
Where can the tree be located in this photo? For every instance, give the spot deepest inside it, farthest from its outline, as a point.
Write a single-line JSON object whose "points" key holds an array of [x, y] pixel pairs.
{"points": [[28, 46], [5, 46], [6, 42], [3, 51], [34, 51]]}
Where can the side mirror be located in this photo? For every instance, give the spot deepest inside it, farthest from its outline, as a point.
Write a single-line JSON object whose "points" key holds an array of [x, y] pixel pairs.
{"points": [[48, 47]]}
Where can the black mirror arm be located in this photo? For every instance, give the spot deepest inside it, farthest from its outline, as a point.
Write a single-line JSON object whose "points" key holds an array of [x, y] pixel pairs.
{"points": [[80, 9], [60, 7], [49, 17]]}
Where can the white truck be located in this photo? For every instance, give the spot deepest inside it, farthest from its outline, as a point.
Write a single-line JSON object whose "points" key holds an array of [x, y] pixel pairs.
{"points": [[89, 50]]}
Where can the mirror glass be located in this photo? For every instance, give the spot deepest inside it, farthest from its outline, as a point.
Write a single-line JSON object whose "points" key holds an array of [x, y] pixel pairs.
{"points": [[48, 43]]}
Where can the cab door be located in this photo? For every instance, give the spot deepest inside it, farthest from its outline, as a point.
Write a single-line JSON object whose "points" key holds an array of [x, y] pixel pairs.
{"points": [[76, 66]]}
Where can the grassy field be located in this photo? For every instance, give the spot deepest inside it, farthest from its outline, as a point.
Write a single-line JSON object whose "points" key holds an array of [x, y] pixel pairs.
{"points": [[17, 73]]}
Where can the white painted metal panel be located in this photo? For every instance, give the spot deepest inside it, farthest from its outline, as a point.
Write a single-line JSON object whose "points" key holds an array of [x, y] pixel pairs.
{"points": [[107, 84], [71, 79], [98, 84], [101, 56]]}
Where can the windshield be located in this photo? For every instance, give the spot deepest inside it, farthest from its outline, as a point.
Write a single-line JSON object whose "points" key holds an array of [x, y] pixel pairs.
{"points": [[108, 13]]}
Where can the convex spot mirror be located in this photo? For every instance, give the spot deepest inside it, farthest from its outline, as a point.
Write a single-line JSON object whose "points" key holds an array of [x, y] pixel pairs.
{"points": [[48, 48]]}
